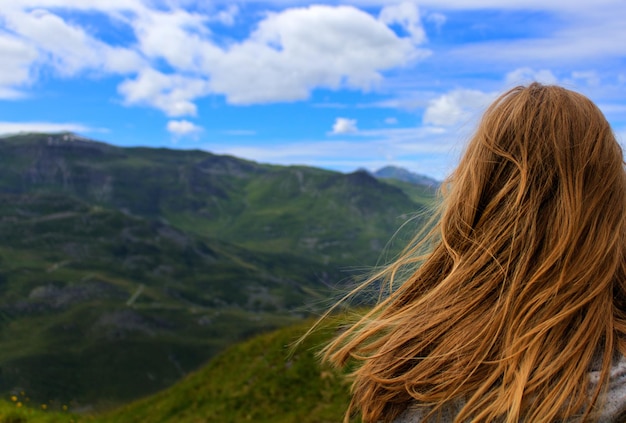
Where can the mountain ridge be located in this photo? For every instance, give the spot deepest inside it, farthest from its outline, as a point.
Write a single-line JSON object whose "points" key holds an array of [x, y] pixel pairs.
{"points": [[218, 248], [402, 174]]}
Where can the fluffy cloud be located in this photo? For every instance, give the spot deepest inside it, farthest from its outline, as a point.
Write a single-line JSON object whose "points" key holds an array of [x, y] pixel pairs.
{"points": [[590, 78], [406, 15], [294, 51], [17, 56], [438, 19], [182, 127], [286, 56], [228, 15], [173, 94], [91, 5], [344, 126], [525, 75], [457, 106], [179, 37], [67, 48]]}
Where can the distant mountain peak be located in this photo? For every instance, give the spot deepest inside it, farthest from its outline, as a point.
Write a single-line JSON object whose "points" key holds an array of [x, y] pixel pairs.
{"points": [[402, 174], [69, 136], [56, 139], [65, 135]]}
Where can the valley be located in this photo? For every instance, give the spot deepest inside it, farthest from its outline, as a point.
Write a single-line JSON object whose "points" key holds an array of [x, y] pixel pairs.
{"points": [[124, 269]]}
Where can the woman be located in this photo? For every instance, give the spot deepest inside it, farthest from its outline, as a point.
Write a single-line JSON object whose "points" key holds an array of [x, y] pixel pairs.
{"points": [[518, 310]]}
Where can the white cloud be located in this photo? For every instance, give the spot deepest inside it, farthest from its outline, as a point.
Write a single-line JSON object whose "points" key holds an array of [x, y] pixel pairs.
{"points": [[525, 75], [438, 19], [391, 121], [344, 126], [406, 100], [22, 127], [67, 48], [590, 78], [10, 94], [179, 37], [17, 55], [228, 15], [182, 127], [457, 106], [589, 35], [92, 5], [297, 50], [407, 15], [173, 94], [289, 53]]}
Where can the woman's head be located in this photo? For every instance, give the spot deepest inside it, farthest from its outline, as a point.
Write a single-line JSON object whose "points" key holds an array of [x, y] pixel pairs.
{"points": [[525, 282], [542, 153], [540, 190]]}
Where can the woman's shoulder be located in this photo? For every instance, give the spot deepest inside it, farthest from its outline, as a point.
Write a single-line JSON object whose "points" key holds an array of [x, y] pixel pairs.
{"points": [[613, 407], [415, 413]]}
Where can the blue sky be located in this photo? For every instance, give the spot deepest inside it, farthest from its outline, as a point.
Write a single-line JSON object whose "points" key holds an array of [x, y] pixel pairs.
{"points": [[356, 84]]}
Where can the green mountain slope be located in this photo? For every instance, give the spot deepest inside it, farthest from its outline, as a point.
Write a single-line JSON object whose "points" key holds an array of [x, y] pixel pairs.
{"points": [[96, 295], [123, 269], [261, 380]]}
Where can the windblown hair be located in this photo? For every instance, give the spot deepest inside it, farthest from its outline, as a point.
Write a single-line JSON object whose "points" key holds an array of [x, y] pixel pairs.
{"points": [[523, 286]]}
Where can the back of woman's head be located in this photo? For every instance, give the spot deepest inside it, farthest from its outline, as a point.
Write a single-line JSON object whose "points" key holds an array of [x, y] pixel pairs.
{"points": [[524, 287], [545, 158]]}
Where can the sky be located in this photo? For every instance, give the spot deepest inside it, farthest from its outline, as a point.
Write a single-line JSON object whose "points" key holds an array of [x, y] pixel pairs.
{"points": [[338, 85]]}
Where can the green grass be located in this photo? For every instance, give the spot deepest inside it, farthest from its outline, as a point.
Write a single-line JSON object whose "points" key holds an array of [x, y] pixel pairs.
{"points": [[19, 409], [261, 380]]}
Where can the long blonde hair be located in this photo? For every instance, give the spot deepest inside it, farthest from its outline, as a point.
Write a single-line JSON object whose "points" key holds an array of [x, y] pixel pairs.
{"points": [[524, 284]]}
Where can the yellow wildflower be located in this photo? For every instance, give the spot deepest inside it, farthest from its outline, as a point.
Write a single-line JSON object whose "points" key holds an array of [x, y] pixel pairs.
{"points": [[13, 398]]}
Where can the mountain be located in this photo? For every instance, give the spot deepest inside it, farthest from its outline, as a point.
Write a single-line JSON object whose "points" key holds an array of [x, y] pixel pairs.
{"points": [[401, 174], [124, 269]]}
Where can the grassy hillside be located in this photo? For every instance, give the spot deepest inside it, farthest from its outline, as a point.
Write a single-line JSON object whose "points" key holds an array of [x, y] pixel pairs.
{"points": [[124, 269], [261, 380], [26, 412], [94, 296]]}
